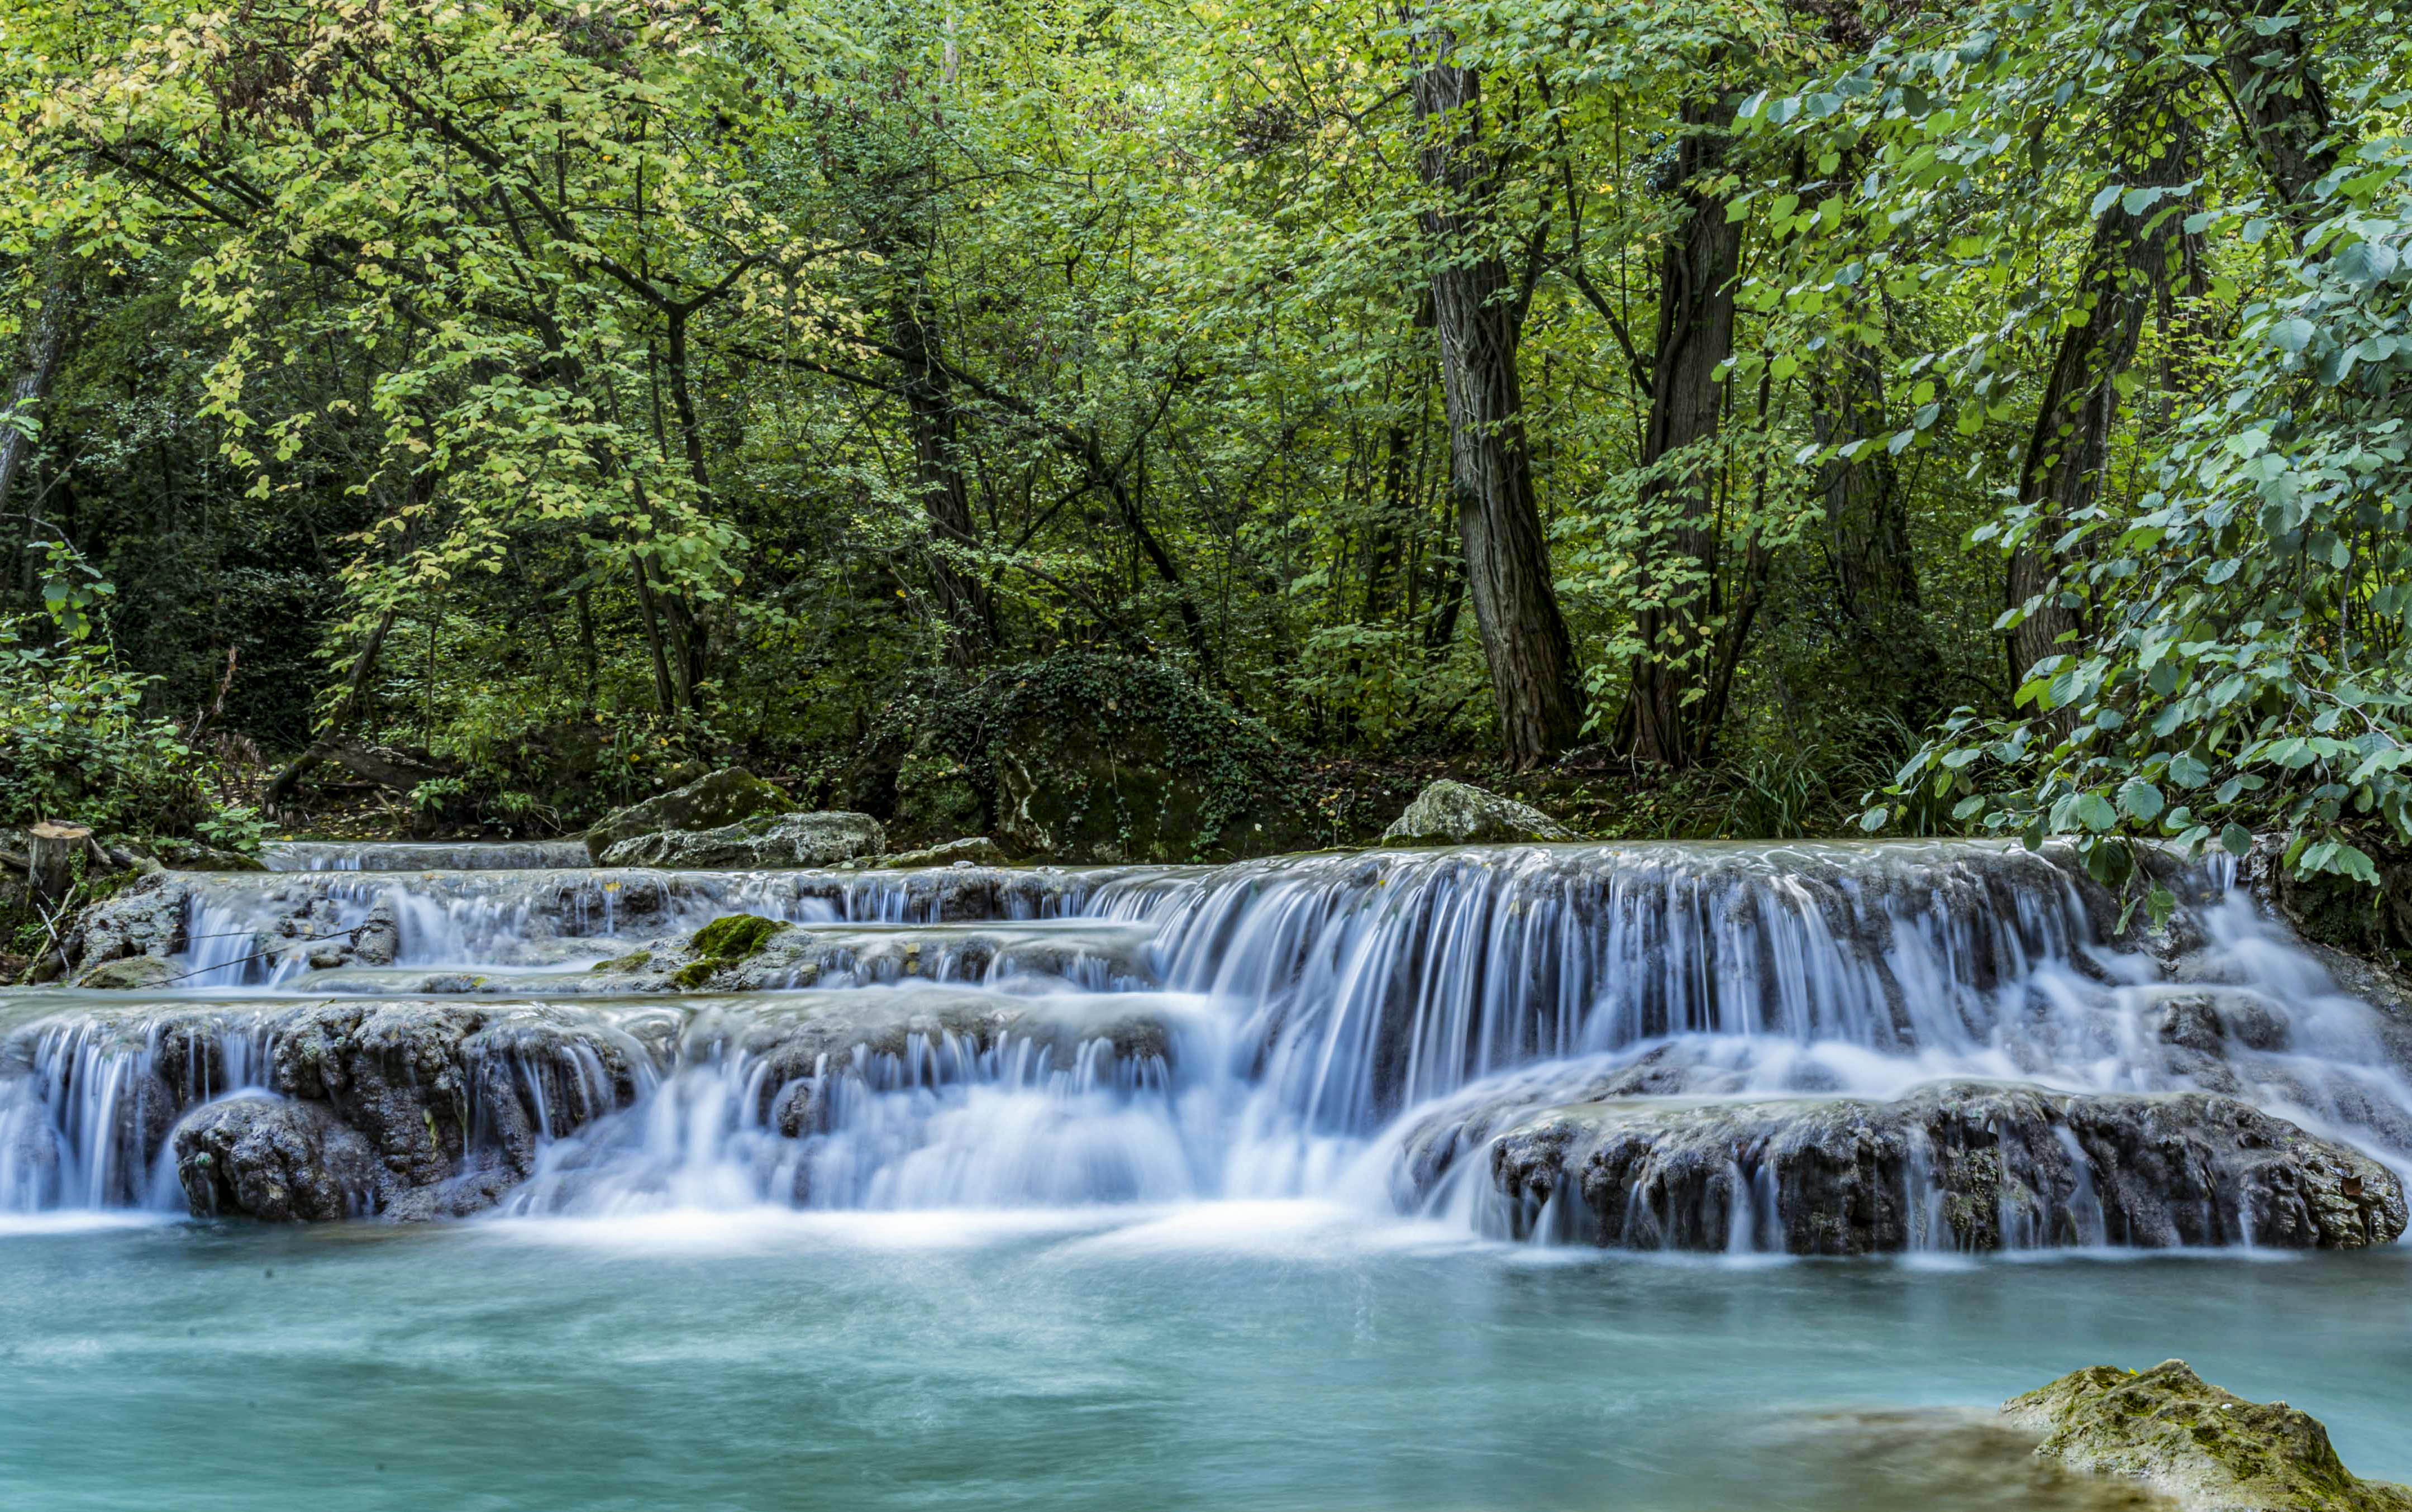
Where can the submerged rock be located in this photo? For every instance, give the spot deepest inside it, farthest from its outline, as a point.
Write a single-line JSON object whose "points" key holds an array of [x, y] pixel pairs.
{"points": [[1965, 1166], [978, 850], [769, 841], [277, 1160], [1459, 813], [128, 974], [2209, 1449], [712, 800]]}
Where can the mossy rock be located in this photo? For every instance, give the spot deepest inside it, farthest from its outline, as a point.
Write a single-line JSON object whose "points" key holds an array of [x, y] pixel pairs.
{"points": [[2207, 1448], [1089, 757], [733, 937], [1450, 813], [633, 962], [722, 944], [713, 801]]}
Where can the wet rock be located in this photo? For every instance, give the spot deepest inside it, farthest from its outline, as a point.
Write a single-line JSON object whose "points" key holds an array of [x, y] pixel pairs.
{"points": [[2208, 1450], [713, 801], [378, 940], [1967, 1165], [979, 850], [444, 1091], [275, 1160], [766, 842], [129, 974], [1459, 813], [145, 917], [192, 855], [920, 1035]]}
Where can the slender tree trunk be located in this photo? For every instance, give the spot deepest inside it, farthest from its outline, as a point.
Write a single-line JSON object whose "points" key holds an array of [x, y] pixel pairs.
{"points": [[2129, 260], [965, 604], [2278, 92], [1668, 721], [1869, 560], [339, 718], [45, 340], [1479, 313]]}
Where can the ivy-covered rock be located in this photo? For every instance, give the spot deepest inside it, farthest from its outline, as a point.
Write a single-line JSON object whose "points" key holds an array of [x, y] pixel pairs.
{"points": [[1459, 814], [765, 841], [713, 801], [2210, 1449], [1090, 758]]}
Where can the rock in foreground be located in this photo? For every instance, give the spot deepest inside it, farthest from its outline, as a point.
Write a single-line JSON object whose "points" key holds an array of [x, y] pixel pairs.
{"points": [[712, 800], [763, 843], [2211, 1450], [1459, 813]]}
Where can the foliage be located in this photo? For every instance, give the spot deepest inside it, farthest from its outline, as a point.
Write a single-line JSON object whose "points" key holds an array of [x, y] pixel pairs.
{"points": [[74, 741], [566, 394]]}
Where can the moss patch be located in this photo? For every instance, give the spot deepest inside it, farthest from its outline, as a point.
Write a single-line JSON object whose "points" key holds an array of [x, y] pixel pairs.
{"points": [[695, 973], [734, 937], [633, 961]]}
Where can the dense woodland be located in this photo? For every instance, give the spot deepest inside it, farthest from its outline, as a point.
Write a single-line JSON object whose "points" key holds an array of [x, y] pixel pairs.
{"points": [[1780, 417]]}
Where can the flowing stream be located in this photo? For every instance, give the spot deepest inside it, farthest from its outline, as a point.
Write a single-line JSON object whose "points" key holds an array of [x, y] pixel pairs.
{"points": [[1253, 1186]]}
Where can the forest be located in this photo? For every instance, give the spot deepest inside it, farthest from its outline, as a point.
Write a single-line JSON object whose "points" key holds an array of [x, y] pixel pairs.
{"points": [[1704, 416]]}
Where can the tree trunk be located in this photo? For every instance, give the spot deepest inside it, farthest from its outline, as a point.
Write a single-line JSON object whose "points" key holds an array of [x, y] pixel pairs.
{"points": [[1890, 642], [50, 857], [45, 339], [965, 606], [340, 717], [1670, 722], [1478, 316], [2119, 285], [2285, 107]]}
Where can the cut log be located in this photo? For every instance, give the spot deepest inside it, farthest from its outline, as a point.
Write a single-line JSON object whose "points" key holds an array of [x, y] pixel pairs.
{"points": [[50, 851]]}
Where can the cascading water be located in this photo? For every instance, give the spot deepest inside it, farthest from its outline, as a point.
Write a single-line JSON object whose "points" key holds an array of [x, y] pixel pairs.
{"points": [[1643, 1045]]}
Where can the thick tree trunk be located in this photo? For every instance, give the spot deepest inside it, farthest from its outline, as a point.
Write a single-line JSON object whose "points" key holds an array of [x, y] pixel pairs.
{"points": [[1479, 315], [49, 859], [2126, 268], [965, 604], [1670, 720]]}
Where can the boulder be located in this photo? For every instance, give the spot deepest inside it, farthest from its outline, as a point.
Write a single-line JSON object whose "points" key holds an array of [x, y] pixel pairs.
{"points": [[276, 1160], [979, 850], [129, 974], [2208, 1450], [1459, 813], [765, 841], [145, 917], [1967, 1165], [714, 800]]}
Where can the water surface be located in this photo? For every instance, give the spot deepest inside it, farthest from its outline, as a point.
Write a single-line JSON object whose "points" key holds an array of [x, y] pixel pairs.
{"points": [[1224, 1356]]}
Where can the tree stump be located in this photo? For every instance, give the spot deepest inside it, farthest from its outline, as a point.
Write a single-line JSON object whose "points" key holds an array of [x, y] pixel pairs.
{"points": [[49, 854]]}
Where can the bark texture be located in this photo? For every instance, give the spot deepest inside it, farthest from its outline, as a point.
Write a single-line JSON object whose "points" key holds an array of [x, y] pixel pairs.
{"points": [[1478, 312], [1694, 641], [2127, 269]]}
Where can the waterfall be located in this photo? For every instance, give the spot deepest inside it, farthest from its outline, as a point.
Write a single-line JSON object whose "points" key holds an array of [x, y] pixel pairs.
{"points": [[1645, 1045]]}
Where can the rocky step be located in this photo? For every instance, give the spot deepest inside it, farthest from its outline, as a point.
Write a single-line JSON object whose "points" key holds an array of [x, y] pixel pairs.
{"points": [[419, 1110], [1958, 1166]]}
